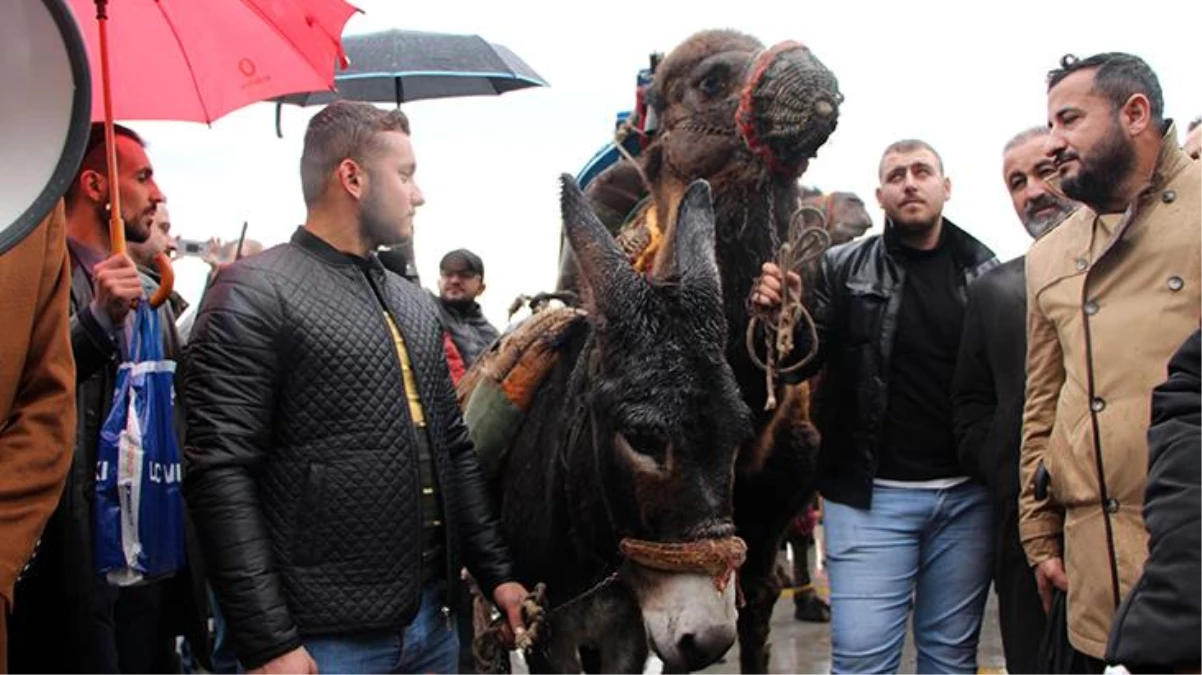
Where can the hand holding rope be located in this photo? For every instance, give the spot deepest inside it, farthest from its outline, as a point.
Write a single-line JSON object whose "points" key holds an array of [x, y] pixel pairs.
{"points": [[804, 244]]}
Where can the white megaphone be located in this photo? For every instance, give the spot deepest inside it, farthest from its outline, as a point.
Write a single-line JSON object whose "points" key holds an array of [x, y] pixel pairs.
{"points": [[45, 111]]}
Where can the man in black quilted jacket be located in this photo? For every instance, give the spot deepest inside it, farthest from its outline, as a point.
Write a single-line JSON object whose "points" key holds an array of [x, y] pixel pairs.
{"points": [[329, 471]]}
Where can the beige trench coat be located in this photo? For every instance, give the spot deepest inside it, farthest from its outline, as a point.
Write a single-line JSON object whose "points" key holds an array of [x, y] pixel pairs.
{"points": [[1100, 333]]}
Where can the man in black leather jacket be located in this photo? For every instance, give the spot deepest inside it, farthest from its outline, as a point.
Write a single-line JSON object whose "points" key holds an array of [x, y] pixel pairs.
{"points": [[330, 473], [460, 282], [990, 389], [902, 520]]}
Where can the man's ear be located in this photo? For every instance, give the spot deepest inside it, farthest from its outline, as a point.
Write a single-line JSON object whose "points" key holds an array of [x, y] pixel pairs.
{"points": [[482, 287], [351, 177], [94, 186], [1136, 114]]}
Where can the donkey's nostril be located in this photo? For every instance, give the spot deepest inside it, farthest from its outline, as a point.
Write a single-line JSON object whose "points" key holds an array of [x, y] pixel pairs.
{"points": [[690, 653]]}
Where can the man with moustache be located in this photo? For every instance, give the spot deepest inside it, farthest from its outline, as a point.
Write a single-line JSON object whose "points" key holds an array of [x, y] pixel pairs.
{"points": [[68, 617], [1111, 293], [903, 522], [989, 388], [159, 241], [329, 470]]}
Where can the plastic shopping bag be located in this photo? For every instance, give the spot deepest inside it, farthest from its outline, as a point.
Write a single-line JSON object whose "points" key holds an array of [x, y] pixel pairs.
{"points": [[138, 509]]}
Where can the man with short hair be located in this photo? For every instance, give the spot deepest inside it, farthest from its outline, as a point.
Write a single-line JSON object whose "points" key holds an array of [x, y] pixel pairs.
{"points": [[903, 521], [160, 241], [989, 388], [1111, 293], [460, 282], [109, 628], [330, 473]]}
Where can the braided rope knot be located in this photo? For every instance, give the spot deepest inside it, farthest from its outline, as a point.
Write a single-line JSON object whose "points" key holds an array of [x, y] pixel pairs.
{"points": [[718, 558]]}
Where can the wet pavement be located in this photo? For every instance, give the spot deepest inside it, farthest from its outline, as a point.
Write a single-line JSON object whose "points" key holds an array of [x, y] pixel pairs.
{"points": [[800, 647]]}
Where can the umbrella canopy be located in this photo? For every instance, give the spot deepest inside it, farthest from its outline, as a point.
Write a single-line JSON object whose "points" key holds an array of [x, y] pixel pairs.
{"points": [[188, 60], [395, 66], [196, 60]]}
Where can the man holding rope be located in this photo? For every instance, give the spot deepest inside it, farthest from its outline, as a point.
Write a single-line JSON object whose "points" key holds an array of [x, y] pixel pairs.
{"points": [[903, 521]]}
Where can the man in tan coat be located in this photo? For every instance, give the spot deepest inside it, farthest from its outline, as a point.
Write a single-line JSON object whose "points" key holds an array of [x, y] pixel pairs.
{"points": [[1111, 294], [37, 396]]}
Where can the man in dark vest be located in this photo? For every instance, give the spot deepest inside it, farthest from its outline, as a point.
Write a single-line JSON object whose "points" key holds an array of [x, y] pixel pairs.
{"points": [[988, 394]]}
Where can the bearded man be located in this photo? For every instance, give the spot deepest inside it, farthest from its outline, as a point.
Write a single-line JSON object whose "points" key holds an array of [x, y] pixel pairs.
{"points": [[1111, 293]]}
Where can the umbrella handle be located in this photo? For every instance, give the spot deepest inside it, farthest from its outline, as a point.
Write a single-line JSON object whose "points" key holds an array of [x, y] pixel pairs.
{"points": [[166, 280]]}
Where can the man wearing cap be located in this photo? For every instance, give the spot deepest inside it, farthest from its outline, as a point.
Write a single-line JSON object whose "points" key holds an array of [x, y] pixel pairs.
{"points": [[460, 282]]}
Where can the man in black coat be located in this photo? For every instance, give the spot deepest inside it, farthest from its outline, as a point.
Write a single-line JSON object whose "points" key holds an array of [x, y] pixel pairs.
{"points": [[989, 392], [460, 282], [331, 477], [1158, 628]]}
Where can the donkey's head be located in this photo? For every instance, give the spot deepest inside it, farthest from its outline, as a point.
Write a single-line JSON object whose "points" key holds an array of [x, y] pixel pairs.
{"points": [[664, 414]]}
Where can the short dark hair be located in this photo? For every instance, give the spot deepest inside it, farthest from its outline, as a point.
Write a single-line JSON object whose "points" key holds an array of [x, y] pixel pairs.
{"points": [[909, 145], [1194, 123], [1024, 136], [95, 157], [1119, 76], [462, 259], [342, 130]]}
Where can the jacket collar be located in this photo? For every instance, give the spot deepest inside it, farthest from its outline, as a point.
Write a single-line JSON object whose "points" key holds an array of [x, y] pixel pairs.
{"points": [[965, 249], [321, 249]]}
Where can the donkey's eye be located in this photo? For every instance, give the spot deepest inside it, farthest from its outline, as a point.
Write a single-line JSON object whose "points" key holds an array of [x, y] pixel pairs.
{"points": [[647, 443]]}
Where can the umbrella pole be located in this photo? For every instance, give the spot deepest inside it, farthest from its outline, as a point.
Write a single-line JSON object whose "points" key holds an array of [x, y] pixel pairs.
{"points": [[116, 226]]}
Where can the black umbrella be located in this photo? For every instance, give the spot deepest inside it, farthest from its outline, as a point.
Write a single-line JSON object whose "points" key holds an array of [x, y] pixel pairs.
{"points": [[395, 66]]}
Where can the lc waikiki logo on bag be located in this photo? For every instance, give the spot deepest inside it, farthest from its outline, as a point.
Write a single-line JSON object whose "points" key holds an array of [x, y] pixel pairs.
{"points": [[138, 510]]}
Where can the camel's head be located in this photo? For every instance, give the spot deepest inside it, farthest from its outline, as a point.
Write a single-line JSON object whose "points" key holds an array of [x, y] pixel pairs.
{"points": [[729, 108]]}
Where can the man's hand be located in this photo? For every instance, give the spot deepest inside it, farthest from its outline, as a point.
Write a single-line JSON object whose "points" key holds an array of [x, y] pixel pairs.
{"points": [[116, 286], [766, 295], [1048, 574], [295, 661], [508, 598]]}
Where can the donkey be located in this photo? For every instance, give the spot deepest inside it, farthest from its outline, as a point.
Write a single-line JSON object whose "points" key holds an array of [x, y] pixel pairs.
{"points": [[748, 120], [624, 463]]}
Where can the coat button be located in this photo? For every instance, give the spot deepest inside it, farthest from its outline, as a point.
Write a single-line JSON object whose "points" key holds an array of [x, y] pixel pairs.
{"points": [[1168, 196], [1097, 404], [1112, 505], [1082, 264], [1091, 308], [1176, 283]]}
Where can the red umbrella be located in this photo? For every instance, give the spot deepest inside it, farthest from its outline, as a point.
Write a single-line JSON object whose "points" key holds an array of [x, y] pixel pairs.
{"points": [[196, 60]]}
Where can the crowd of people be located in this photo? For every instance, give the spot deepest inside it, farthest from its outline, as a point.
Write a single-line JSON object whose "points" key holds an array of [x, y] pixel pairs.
{"points": [[1032, 424]]}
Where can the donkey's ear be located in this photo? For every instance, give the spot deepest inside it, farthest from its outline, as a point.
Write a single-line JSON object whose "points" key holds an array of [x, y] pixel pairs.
{"points": [[607, 280], [693, 239]]}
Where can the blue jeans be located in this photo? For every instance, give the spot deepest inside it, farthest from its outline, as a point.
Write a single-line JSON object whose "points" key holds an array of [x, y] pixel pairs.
{"points": [[429, 644], [930, 549]]}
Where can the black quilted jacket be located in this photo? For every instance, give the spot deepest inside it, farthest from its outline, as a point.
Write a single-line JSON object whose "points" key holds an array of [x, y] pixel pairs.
{"points": [[302, 460]]}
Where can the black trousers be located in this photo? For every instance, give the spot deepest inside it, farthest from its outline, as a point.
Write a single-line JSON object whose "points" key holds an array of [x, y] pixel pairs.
{"points": [[130, 631], [1020, 613]]}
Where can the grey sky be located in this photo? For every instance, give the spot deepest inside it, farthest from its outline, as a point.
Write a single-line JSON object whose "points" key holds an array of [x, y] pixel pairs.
{"points": [[963, 76]]}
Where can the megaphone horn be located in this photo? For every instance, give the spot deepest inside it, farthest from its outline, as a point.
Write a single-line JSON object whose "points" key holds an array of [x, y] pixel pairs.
{"points": [[44, 132]]}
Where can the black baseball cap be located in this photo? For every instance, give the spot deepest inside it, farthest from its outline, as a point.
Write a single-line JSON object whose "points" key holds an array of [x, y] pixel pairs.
{"points": [[462, 260]]}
